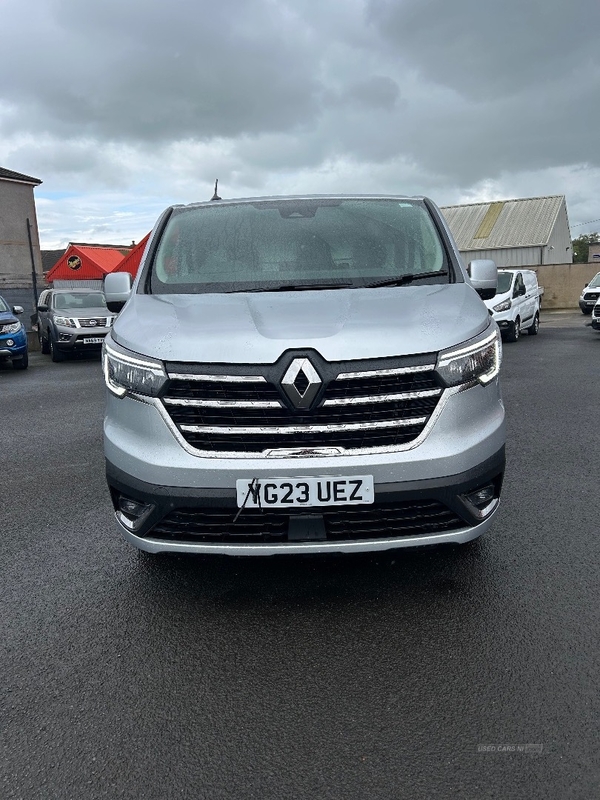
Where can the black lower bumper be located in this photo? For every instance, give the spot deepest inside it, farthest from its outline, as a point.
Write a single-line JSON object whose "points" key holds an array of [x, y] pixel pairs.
{"points": [[425, 507]]}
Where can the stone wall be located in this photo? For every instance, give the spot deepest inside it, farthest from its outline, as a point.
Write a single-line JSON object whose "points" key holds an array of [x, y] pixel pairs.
{"points": [[563, 283]]}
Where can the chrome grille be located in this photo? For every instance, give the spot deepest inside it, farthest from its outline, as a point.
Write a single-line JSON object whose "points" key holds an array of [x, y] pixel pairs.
{"points": [[242, 415], [597, 311], [94, 322]]}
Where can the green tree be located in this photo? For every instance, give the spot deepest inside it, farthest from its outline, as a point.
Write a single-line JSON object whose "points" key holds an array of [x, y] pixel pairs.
{"points": [[581, 247]]}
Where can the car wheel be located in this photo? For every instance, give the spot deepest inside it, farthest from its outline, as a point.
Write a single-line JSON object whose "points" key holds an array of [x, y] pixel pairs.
{"points": [[514, 332], [55, 353], [533, 329], [44, 344], [586, 311], [21, 363]]}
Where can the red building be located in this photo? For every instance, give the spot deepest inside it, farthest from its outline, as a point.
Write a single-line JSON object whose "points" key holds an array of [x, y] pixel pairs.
{"points": [[131, 262], [87, 262]]}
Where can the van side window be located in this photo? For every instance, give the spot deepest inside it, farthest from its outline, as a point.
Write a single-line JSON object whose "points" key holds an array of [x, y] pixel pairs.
{"points": [[519, 286]]}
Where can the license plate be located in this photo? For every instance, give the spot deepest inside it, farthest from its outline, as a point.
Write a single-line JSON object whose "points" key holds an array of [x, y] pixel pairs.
{"points": [[93, 340], [304, 492]]}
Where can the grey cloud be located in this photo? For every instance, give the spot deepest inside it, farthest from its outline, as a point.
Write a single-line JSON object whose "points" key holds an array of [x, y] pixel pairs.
{"points": [[487, 50], [378, 91], [137, 71], [270, 94]]}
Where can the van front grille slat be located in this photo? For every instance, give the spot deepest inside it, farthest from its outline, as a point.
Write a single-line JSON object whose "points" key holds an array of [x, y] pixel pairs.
{"points": [[249, 415]]}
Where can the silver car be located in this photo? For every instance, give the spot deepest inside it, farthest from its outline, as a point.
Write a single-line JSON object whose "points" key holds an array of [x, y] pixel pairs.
{"points": [[72, 320], [303, 375]]}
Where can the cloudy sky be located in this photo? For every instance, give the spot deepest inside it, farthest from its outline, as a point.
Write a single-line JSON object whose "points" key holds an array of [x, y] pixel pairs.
{"points": [[125, 106]]}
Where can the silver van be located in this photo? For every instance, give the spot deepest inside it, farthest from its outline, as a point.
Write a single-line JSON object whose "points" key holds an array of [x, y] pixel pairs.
{"points": [[303, 375]]}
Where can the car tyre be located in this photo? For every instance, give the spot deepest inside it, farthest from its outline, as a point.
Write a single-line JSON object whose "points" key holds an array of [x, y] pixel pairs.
{"points": [[586, 311], [44, 344], [514, 332], [534, 328], [55, 353], [21, 363]]}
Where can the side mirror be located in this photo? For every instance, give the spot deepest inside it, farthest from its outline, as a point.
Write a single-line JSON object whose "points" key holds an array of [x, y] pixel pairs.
{"points": [[18, 309], [117, 290], [42, 308], [484, 277]]}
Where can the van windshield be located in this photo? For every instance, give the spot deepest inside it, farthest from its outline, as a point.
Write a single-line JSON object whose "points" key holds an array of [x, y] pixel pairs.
{"points": [[505, 280], [294, 244], [595, 282]]}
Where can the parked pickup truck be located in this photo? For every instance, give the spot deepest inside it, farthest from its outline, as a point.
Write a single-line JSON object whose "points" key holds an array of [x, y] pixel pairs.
{"points": [[516, 306]]}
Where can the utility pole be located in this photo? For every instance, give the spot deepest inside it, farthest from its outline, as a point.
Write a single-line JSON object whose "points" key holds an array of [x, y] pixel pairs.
{"points": [[33, 275]]}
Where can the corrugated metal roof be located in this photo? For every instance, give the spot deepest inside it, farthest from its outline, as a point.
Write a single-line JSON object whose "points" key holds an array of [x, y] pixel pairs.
{"points": [[508, 223]]}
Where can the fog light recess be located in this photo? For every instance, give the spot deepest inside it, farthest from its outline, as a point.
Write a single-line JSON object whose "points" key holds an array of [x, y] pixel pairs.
{"points": [[132, 513], [482, 501]]}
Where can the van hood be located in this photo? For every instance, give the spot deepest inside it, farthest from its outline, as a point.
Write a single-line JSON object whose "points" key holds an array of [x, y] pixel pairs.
{"points": [[340, 324]]}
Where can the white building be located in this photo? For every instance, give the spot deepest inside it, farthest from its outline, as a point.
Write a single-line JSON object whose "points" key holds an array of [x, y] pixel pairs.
{"points": [[514, 233]]}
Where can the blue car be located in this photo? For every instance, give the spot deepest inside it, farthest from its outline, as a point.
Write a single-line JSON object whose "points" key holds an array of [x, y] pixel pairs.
{"points": [[13, 338]]}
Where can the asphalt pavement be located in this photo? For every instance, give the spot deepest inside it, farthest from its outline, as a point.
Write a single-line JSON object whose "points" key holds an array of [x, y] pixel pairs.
{"points": [[467, 672]]}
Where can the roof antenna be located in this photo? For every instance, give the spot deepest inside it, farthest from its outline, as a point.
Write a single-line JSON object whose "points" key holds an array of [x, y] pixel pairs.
{"points": [[215, 195]]}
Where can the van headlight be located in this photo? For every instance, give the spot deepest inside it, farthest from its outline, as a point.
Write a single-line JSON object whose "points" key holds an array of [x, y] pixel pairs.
{"points": [[504, 305], [478, 360], [125, 371]]}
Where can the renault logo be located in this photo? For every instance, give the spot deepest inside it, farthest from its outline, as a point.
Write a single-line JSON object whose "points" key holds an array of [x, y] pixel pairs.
{"points": [[301, 382]]}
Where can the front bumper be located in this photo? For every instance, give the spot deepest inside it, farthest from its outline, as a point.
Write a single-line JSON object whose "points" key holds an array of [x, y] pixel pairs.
{"points": [[72, 340], [586, 305], [18, 347], [596, 323], [503, 319], [404, 514]]}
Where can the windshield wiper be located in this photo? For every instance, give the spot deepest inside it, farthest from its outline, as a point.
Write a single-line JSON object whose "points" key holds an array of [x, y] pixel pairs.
{"points": [[402, 279], [292, 287]]}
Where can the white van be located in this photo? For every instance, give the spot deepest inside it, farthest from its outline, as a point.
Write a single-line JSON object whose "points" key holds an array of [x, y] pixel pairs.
{"points": [[516, 306], [596, 316]]}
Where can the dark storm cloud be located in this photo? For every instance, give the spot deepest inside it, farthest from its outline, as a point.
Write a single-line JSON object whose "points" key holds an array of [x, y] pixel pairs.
{"points": [[487, 50], [371, 95], [149, 70], [522, 80]]}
